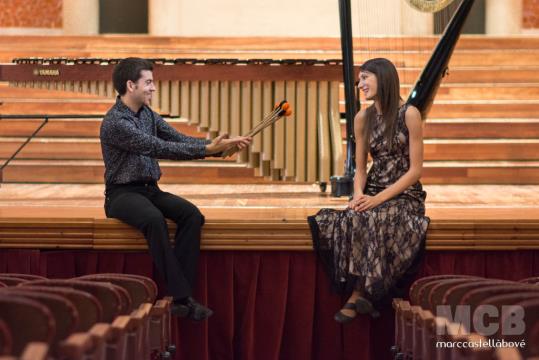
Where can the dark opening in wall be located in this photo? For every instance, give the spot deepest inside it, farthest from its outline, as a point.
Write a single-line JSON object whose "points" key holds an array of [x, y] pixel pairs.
{"points": [[123, 16], [475, 24]]}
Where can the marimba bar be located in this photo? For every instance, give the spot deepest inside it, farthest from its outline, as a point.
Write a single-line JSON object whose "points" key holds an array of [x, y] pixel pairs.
{"points": [[227, 96]]}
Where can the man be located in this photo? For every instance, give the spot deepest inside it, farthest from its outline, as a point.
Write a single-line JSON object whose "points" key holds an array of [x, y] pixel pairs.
{"points": [[132, 137]]}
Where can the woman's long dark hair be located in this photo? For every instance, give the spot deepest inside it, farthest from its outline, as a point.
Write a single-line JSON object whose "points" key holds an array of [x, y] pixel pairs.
{"points": [[388, 96]]}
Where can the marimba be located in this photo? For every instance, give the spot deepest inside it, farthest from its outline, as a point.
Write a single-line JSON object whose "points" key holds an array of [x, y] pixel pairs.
{"points": [[227, 96]]}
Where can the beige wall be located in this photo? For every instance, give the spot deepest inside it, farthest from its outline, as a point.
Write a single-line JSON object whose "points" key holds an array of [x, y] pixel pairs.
{"points": [[503, 17], [81, 17], [301, 18], [244, 18]]}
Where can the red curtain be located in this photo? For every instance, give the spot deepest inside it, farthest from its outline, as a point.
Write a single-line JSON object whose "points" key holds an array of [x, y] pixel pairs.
{"points": [[270, 305]]}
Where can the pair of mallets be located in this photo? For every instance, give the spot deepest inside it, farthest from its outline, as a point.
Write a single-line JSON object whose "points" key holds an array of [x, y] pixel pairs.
{"points": [[280, 110]]}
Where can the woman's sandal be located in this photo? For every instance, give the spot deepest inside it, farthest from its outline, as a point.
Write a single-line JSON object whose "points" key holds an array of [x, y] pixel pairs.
{"points": [[364, 306], [340, 317]]}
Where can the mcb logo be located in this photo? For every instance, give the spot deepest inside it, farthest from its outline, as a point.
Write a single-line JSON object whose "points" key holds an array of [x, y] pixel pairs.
{"points": [[486, 320]]}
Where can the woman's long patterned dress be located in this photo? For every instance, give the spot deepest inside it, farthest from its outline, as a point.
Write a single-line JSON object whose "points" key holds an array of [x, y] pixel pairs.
{"points": [[372, 250]]}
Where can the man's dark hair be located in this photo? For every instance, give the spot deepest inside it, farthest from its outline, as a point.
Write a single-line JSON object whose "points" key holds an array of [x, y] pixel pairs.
{"points": [[128, 69]]}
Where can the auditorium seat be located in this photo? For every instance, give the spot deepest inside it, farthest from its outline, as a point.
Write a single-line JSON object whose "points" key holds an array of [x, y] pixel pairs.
{"points": [[477, 297], [6, 339], [18, 311], [109, 297], [399, 305], [454, 295], [160, 324], [87, 305], [32, 351], [141, 336], [507, 353], [138, 290], [531, 280], [132, 326], [117, 343], [417, 287], [11, 280], [424, 335], [63, 311], [2, 284], [472, 353], [24, 276], [531, 335], [126, 305], [434, 295], [143, 332], [81, 346], [151, 285]]}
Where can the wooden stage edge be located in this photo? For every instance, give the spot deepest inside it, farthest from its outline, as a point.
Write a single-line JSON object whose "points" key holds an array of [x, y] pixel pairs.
{"points": [[261, 217], [280, 235]]}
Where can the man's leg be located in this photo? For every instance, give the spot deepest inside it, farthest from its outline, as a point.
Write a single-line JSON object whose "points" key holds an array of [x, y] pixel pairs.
{"points": [[189, 222], [135, 209]]}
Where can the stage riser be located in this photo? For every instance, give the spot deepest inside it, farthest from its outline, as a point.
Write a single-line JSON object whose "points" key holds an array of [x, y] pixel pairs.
{"points": [[90, 149], [433, 173], [448, 129]]}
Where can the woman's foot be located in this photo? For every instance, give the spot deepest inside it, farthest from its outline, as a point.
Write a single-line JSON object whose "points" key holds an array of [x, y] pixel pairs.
{"points": [[355, 305], [349, 310], [364, 306], [346, 314]]}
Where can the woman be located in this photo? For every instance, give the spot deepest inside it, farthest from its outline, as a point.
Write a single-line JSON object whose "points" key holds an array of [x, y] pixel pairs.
{"points": [[370, 245]]}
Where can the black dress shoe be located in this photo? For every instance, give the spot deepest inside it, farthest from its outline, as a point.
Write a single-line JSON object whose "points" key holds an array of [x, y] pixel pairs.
{"points": [[190, 308], [179, 310], [197, 311]]}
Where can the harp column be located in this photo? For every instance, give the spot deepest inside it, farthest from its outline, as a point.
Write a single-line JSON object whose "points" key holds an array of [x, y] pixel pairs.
{"points": [[503, 17], [164, 17], [80, 17]]}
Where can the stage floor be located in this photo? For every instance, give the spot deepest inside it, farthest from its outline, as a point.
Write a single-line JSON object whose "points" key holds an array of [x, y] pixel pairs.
{"points": [[270, 202]]}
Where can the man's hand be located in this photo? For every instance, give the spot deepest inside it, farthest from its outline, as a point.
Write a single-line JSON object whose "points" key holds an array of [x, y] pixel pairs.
{"points": [[364, 202], [223, 143]]}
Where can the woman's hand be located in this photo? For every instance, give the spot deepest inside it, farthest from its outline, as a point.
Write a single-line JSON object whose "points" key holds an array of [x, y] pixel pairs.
{"points": [[364, 202]]}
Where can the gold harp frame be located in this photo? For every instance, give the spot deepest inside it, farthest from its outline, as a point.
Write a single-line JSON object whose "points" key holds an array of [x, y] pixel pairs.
{"points": [[429, 5]]}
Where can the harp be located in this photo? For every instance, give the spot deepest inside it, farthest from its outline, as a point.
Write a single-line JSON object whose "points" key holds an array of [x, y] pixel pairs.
{"points": [[422, 93]]}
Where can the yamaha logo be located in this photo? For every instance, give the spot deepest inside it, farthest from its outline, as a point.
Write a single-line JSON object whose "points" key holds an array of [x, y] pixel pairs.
{"points": [[46, 72]]}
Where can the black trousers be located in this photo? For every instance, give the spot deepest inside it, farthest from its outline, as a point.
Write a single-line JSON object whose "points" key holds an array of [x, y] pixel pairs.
{"points": [[145, 207]]}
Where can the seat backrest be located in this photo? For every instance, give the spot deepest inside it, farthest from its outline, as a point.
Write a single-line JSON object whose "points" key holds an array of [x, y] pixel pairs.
{"points": [[2, 284], [24, 276], [66, 316], [531, 280], [531, 326], [476, 297], [87, 305], [12, 280], [152, 286], [6, 339], [416, 287], [454, 295], [107, 294], [126, 304], [138, 290], [19, 313], [436, 293]]}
